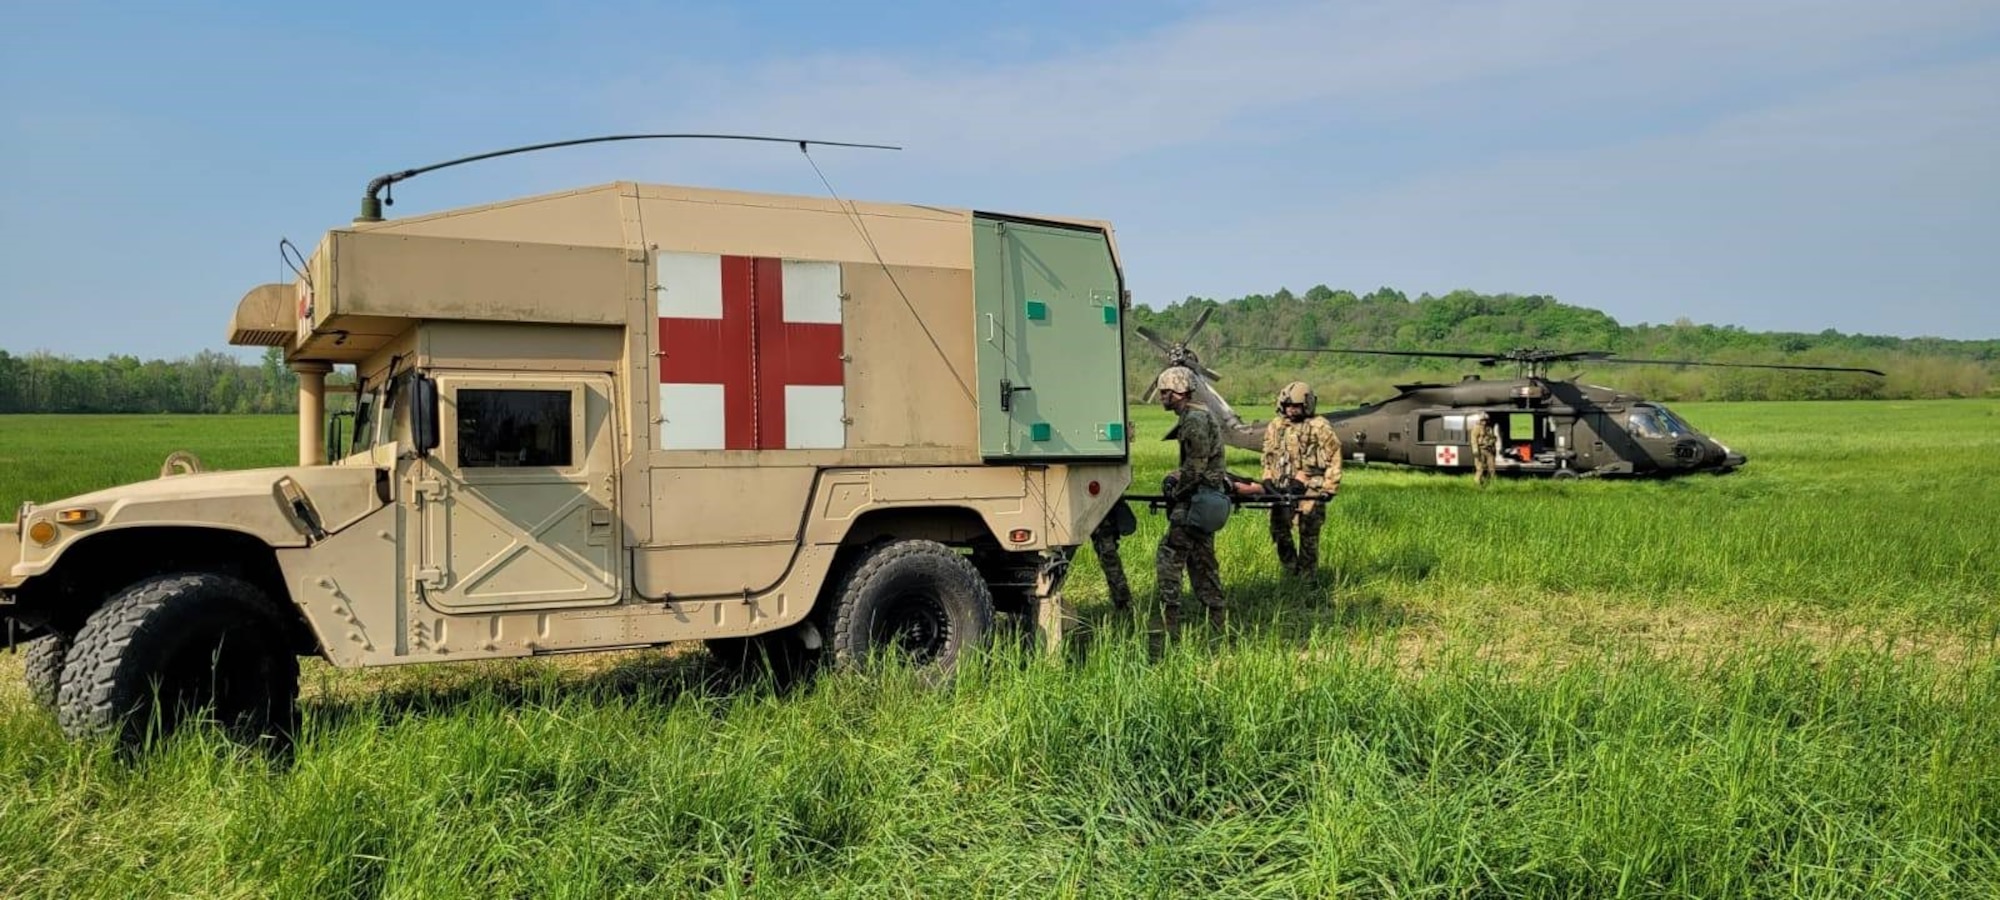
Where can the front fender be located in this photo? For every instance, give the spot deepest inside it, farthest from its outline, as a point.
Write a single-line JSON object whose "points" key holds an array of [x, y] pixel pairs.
{"points": [[249, 502], [10, 553]]}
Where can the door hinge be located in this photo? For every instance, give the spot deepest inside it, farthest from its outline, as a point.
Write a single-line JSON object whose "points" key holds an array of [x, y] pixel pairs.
{"points": [[430, 577], [427, 489]]}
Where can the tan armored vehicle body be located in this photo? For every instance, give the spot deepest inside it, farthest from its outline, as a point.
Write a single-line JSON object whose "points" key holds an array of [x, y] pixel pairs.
{"points": [[616, 417]]}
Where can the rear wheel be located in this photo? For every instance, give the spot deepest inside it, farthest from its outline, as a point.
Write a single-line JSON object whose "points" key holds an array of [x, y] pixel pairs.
{"points": [[43, 664], [172, 646], [920, 599]]}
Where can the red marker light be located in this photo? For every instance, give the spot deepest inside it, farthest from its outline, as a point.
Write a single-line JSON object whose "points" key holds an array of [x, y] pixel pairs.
{"points": [[1095, 488], [1020, 535]]}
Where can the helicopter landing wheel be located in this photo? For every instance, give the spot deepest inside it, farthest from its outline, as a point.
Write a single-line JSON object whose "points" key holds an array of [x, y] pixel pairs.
{"points": [[1564, 475]]}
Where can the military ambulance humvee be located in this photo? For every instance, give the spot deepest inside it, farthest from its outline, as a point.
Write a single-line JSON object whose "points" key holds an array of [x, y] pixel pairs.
{"points": [[614, 417]]}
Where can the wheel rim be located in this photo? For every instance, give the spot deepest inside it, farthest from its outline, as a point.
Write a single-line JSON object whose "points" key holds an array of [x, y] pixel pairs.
{"points": [[916, 625]]}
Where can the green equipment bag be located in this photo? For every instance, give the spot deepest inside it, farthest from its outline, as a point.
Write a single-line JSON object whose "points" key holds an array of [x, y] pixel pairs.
{"points": [[1209, 510]]}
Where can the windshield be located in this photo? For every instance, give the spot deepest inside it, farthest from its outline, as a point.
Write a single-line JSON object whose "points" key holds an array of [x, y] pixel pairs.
{"points": [[1656, 422]]}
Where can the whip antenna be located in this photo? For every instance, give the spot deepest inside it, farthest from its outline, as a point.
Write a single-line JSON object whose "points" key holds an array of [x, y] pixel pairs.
{"points": [[374, 198]]}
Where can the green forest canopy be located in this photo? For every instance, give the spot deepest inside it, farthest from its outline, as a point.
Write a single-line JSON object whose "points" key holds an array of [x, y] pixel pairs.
{"points": [[1386, 319], [213, 382]]}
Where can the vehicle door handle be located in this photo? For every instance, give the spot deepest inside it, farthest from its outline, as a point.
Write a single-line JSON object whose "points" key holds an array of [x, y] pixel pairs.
{"points": [[1007, 391]]}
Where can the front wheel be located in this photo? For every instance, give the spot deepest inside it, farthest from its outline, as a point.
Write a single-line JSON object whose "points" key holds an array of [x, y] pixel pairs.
{"points": [[42, 663], [168, 647], [920, 599]]}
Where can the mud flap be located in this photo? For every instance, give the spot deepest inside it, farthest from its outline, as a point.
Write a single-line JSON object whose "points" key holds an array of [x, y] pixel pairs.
{"points": [[1053, 614]]}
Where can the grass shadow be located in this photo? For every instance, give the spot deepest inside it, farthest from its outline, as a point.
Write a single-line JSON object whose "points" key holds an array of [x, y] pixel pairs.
{"points": [[657, 678], [1265, 604]]}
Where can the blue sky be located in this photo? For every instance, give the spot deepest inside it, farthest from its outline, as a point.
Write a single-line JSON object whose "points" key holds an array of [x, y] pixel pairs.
{"points": [[1776, 165]]}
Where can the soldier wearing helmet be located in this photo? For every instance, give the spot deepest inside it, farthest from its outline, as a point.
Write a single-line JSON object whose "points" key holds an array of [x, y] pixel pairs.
{"points": [[1186, 546], [1118, 524], [1485, 444], [1302, 453]]}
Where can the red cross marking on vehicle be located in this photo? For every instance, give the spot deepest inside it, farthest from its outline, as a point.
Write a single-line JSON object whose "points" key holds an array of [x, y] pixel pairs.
{"points": [[743, 366]]}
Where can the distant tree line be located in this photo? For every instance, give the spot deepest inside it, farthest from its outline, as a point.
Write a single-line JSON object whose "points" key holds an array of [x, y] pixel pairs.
{"points": [[213, 382], [208, 382], [1386, 319]]}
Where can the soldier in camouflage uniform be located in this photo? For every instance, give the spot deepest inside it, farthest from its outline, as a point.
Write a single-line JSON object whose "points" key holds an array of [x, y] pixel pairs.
{"points": [[1301, 448], [1485, 445], [1185, 546], [1117, 525], [1104, 539]]}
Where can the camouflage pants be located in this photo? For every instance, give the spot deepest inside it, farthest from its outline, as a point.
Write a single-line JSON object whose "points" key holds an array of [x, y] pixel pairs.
{"points": [[1302, 559], [1105, 541], [1187, 548], [1482, 465]]}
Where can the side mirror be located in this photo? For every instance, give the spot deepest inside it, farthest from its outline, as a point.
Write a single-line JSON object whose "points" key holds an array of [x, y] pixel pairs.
{"points": [[423, 414]]}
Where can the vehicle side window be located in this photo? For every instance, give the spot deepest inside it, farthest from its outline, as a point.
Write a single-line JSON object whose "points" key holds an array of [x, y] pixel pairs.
{"points": [[507, 427], [364, 421], [1644, 425]]}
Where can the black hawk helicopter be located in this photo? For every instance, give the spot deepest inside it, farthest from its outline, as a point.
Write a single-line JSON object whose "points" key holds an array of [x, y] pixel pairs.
{"points": [[1547, 426]]}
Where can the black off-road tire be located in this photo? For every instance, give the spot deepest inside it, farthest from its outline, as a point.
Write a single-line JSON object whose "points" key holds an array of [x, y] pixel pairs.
{"points": [[918, 597], [205, 641], [42, 660]]}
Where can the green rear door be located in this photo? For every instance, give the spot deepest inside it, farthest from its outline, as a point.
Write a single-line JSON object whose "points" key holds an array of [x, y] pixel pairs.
{"points": [[1051, 350]]}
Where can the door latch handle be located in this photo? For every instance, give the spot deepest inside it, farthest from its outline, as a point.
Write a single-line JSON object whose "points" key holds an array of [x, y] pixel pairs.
{"points": [[1007, 391]]}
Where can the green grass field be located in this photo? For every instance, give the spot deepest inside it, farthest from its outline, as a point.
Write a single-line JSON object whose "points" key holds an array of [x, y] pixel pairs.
{"points": [[1780, 682]]}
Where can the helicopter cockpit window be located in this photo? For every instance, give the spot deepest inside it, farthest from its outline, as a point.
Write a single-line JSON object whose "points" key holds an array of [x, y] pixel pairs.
{"points": [[1653, 422], [1675, 424]]}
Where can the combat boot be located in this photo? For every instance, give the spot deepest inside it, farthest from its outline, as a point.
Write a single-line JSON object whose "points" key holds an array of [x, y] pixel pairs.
{"points": [[1218, 618], [1167, 630]]}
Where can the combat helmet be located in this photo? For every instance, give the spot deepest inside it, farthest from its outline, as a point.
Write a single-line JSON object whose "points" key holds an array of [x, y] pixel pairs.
{"points": [[1178, 379], [1300, 393]]}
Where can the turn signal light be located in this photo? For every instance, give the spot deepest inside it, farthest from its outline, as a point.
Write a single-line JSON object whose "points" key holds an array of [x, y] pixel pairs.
{"points": [[1020, 535], [79, 516], [42, 531]]}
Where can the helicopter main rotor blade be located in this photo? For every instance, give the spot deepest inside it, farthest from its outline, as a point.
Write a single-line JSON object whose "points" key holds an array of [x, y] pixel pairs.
{"points": [[1690, 362], [1438, 354], [1570, 356], [1154, 339], [1199, 321], [1209, 373]]}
